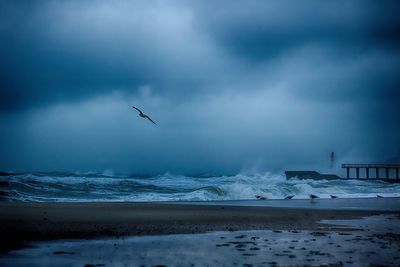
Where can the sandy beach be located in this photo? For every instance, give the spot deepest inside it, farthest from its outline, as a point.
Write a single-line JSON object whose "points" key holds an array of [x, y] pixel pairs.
{"points": [[177, 234], [24, 222]]}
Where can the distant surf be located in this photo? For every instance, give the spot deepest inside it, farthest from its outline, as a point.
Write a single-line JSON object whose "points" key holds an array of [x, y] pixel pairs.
{"points": [[72, 187]]}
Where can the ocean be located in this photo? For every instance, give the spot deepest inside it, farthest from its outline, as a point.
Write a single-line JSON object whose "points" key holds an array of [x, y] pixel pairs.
{"points": [[73, 187]]}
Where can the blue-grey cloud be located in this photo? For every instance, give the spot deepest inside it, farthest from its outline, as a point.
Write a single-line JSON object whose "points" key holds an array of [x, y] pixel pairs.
{"points": [[273, 84]]}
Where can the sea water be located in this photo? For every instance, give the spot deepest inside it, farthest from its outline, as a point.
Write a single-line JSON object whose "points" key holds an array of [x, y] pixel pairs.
{"points": [[168, 187]]}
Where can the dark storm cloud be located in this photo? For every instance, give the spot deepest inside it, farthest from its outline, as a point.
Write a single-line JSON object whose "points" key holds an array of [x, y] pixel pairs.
{"points": [[53, 51], [264, 29], [232, 85]]}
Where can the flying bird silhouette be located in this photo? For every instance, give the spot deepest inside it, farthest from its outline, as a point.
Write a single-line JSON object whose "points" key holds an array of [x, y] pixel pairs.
{"points": [[144, 116]]}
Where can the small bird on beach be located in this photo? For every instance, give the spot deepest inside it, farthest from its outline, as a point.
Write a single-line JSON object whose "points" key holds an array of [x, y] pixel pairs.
{"points": [[378, 196], [261, 198], [289, 197], [313, 196], [332, 196], [144, 116]]}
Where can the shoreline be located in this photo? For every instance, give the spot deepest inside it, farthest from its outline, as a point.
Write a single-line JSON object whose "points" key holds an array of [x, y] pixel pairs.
{"points": [[24, 222], [365, 203]]}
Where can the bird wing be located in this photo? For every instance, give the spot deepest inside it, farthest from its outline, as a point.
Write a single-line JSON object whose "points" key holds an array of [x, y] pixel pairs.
{"points": [[150, 119], [137, 109]]}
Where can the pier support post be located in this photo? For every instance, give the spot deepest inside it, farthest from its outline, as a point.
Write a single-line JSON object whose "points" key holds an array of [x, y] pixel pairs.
{"points": [[348, 173], [367, 170], [358, 173], [397, 173], [377, 173], [387, 173]]}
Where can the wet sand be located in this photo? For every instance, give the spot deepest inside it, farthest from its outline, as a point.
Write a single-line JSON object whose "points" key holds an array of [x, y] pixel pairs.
{"points": [[376, 242], [21, 223]]}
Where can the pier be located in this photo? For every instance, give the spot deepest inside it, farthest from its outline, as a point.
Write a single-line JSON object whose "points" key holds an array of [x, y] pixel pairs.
{"points": [[374, 172], [375, 168]]}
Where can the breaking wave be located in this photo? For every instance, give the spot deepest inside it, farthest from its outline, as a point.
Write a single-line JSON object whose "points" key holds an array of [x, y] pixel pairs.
{"points": [[168, 187]]}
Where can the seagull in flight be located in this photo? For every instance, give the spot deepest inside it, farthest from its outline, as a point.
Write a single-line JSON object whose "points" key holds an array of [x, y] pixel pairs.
{"points": [[141, 114]]}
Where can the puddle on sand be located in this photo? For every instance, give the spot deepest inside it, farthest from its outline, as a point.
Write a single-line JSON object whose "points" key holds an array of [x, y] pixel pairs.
{"points": [[378, 223]]}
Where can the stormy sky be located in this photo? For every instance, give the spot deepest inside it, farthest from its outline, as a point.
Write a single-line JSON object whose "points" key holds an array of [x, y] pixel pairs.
{"points": [[234, 86]]}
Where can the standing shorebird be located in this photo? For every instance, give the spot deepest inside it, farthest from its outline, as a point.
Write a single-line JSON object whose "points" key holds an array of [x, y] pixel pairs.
{"points": [[144, 116], [313, 196]]}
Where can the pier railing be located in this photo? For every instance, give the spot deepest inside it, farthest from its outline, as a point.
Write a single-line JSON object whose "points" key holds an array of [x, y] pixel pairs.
{"points": [[377, 167]]}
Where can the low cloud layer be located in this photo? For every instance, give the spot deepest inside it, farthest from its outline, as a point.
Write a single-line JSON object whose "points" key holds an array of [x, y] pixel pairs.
{"points": [[233, 87]]}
